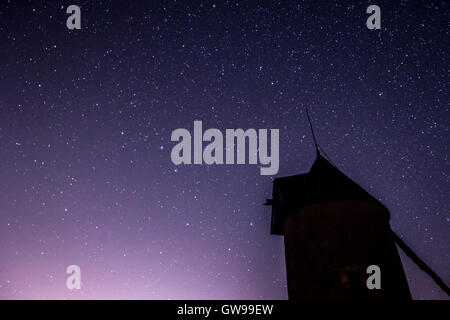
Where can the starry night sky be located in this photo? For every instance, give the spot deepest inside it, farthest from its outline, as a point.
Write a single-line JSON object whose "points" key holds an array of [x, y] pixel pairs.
{"points": [[86, 117]]}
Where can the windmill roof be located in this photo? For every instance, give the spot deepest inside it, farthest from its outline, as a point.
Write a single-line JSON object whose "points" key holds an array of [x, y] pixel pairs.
{"points": [[323, 183]]}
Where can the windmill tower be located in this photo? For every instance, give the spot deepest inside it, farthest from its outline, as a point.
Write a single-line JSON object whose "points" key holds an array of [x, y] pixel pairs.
{"points": [[333, 231]]}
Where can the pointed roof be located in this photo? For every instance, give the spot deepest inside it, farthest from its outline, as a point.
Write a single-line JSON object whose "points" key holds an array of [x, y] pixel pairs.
{"points": [[323, 183]]}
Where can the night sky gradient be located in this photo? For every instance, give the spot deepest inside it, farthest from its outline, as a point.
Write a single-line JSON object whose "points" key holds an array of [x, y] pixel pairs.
{"points": [[86, 117]]}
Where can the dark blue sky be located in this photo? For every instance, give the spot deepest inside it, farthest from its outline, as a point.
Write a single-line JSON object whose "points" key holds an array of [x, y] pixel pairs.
{"points": [[86, 117]]}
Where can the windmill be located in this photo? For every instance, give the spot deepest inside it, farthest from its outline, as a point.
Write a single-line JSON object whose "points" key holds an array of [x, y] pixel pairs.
{"points": [[333, 232]]}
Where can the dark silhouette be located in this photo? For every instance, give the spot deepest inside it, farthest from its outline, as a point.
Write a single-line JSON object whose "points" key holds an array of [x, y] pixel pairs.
{"points": [[333, 231]]}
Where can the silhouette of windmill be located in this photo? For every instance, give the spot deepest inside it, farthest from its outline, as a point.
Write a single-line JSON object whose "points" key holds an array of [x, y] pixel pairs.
{"points": [[333, 231]]}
